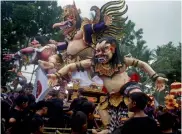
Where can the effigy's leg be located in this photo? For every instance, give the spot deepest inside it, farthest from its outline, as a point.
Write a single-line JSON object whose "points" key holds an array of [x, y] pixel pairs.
{"points": [[105, 117], [52, 61], [46, 65]]}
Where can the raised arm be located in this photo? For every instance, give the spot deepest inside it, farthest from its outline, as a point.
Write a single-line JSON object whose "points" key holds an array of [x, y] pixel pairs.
{"points": [[62, 46], [80, 66], [159, 81], [17, 55]]}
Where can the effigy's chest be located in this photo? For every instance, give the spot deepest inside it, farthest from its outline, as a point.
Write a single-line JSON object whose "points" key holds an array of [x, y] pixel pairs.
{"points": [[115, 83], [45, 54], [75, 46]]}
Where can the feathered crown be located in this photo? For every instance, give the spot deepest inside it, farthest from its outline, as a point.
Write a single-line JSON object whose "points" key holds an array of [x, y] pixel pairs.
{"points": [[112, 8]]}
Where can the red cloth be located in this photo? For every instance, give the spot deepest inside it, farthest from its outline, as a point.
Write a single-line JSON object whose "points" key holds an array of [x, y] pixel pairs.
{"points": [[104, 89], [135, 77]]}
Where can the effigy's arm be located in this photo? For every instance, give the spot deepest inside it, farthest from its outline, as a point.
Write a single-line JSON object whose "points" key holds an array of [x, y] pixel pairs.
{"points": [[159, 81], [62, 46], [99, 27], [80, 66], [27, 50], [138, 63], [17, 55], [90, 29]]}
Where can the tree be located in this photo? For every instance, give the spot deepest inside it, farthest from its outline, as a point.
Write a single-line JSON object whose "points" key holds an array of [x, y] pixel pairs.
{"points": [[22, 20], [133, 44], [168, 61]]}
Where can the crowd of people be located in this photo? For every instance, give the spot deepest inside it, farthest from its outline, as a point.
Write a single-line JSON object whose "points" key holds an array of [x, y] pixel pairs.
{"points": [[21, 114]]}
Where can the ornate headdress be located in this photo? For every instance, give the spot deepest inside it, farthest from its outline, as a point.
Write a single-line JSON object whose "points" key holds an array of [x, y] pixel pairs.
{"points": [[111, 8]]}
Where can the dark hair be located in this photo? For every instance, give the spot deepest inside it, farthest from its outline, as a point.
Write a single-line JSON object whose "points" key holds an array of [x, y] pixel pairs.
{"points": [[80, 91], [85, 106], [78, 120], [21, 99], [140, 98], [117, 57], [41, 104], [166, 121], [43, 40], [31, 98], [53, 93]]}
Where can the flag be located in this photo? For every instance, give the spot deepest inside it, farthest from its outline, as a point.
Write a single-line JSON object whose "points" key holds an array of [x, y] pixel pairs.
{"points": [[40, 85]]}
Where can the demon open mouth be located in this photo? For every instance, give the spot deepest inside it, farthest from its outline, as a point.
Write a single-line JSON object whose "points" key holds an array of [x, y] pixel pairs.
{"points": [[102, 59]]}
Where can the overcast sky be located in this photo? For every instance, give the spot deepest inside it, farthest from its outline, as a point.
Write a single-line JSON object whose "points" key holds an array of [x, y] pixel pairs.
{"points": [[160, 20]]}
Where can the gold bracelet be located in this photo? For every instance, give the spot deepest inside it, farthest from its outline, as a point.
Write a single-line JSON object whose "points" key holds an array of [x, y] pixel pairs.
{"points": [[136, 64]]}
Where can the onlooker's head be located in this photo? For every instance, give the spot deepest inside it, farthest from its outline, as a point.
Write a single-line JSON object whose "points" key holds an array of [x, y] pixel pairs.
{"points": [[62, 95], [52, 94], [86, 107], [42, 107], [21, 101], [79, 122], [166, 121], [137, 101], [80, 92], [31, 99]]}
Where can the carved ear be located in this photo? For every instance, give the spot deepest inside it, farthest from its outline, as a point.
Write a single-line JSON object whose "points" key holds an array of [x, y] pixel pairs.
{"points": [[113, 48], [113, 45]]}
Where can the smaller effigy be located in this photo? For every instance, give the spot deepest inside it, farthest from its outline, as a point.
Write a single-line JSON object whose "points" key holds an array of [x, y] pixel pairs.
{"points": [[176, 88], [173, 99]]}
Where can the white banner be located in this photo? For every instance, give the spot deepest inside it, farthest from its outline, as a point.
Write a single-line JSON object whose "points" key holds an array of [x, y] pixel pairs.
{"points": [[40, 85]]}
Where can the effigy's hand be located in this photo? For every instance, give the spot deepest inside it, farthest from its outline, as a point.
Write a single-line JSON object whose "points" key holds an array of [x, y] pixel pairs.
{"points": [[160, 83], [45, 64], [94, 131], [52, 80], [8, 57], [56, 25], [53, 41], [108, 20]]}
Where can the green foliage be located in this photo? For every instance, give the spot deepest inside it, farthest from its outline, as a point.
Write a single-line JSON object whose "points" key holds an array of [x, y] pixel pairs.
{"points": [[167, 57], [133, 44], [168, 61], [22, 20]]}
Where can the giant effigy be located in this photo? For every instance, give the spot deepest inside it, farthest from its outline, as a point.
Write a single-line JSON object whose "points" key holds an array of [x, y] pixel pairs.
{"points": [[106, 60], [79, 41], [91, 54]]}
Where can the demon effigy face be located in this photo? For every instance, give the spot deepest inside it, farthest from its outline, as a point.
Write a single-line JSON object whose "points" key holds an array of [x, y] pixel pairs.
{"points": [[107, 59], [104, 52], [69, 23], [71, 20]]}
